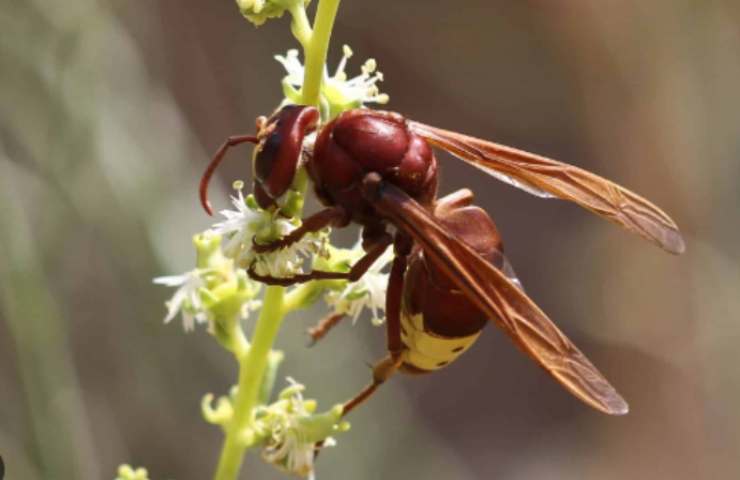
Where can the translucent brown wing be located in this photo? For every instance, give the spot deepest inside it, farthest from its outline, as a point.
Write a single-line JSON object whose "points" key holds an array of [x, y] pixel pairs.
{"points": [[546, 177], [500, 298]]}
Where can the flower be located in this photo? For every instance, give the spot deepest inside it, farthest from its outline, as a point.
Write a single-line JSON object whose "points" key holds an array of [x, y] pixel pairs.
{"points": [[337, 91], [187, 298], [360, 89], [215, 292], [248, 222], [127, 472], [368, 292], [292, 431], [294, 67]]}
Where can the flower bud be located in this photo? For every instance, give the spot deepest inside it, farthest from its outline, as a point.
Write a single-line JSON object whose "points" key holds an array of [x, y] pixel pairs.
{"points": [[127, 472], [259, 11]]}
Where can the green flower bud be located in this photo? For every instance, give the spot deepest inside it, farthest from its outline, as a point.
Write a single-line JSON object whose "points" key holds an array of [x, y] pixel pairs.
{"points": [[221, 414], [259, 11], [127, 472]]}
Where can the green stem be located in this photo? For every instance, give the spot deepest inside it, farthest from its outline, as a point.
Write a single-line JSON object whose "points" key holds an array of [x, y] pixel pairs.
{"points": [[300, 25], [253, 361], [303, 296], [317, 50], [239, 344], [251, 372]]}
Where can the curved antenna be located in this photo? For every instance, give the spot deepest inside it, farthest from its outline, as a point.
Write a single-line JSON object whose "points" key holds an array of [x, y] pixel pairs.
{"points": [[205, 180]]}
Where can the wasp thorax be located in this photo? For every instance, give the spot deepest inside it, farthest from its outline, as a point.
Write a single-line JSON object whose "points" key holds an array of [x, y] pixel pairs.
{"points": [[377, 141], [362, 141], [279, 151]]}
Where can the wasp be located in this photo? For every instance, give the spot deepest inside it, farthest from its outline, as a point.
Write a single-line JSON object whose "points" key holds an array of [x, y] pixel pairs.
{"points": [[449, 276]]}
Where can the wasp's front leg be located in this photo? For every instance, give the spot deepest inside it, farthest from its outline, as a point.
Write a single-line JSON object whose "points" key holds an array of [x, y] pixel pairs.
{"points": [[329, 217], [356, 272]]}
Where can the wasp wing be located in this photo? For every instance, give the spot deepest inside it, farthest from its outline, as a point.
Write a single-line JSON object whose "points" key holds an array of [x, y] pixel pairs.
{"points": [[501, 299], [546, 177]]}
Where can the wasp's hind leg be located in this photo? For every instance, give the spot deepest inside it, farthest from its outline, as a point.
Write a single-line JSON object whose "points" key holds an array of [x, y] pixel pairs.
{"points": [[319, 331], [385, 369]]}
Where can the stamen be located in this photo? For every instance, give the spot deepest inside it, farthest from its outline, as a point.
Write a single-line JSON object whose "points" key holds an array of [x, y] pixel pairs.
{"points": [[346, 55]]}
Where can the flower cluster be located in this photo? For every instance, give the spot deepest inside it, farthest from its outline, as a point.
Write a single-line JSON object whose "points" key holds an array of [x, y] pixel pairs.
{"points": [[219, 293], [338, 93], [288, 430], [292, 431], [201, 289], [214, 292], [248, 223]]}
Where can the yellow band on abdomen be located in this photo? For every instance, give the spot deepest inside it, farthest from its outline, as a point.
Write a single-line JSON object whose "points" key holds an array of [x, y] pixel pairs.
{"points": [[429, 351]]}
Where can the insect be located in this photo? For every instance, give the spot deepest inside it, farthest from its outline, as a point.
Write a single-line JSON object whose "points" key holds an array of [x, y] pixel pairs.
{"points": [[378, 169]]}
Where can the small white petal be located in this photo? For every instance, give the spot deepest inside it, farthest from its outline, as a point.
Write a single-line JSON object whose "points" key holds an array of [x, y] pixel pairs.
{"points": [[293, 66], [171, 280], [368, 292], [186, 299]]}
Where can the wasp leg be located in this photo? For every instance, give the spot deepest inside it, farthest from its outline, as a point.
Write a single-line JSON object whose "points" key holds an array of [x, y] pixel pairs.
{"points": [[215, 161], [384, 369], [332, 216], [319, 331], [355, 273]]}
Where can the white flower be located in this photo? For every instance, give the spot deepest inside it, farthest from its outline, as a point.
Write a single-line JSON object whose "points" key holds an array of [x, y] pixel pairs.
{"points": [[287, 446], [368, 292], [242, 225], [186, 299], [293, 66], [337, 89], [360, 89], [215, 292]]}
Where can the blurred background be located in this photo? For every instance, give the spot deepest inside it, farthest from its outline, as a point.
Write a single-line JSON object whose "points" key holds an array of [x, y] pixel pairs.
{"points": [[109, 111]]}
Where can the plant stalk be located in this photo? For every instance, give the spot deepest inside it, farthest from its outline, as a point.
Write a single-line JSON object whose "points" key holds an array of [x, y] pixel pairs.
{"points": [[317, 50], [253, 363]]}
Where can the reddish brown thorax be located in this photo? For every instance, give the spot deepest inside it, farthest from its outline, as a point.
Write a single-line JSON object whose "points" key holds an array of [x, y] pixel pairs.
{"points": [[278, 153], [446, 310], [361, 141]]}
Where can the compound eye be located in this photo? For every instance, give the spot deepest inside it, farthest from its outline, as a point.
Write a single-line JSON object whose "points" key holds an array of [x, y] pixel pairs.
{"points": [[279, 152]]}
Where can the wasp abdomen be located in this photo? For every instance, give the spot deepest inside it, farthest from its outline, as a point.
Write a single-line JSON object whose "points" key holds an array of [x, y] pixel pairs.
{"points": [[427, 351], [438, 321]]}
